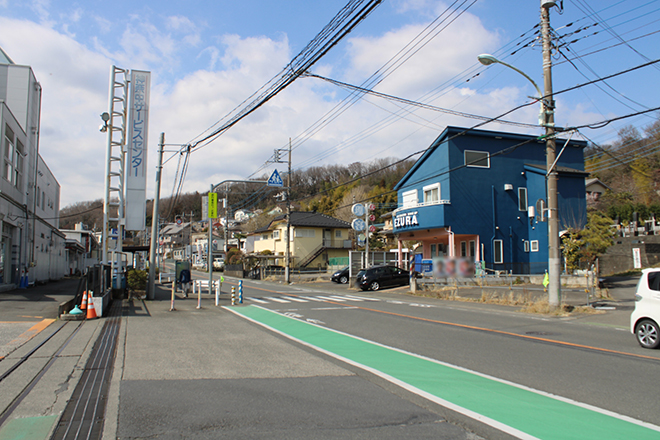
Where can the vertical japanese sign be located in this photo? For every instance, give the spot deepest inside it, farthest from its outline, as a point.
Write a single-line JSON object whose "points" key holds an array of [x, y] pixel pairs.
{"points": [[213, 205], [136, 151]]}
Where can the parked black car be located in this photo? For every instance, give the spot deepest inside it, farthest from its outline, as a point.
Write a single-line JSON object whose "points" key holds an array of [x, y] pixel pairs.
{"points": [[341, 276], [377, 277]]}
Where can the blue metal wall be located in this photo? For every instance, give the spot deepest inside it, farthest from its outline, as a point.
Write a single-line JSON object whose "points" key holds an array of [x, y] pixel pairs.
{"points": [[479, 203]]}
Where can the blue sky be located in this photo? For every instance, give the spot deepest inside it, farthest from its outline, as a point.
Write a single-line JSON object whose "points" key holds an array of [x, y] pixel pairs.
{"points": [[208, 56]]}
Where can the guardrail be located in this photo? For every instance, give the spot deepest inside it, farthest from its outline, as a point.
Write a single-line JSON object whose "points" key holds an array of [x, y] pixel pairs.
{"points": [[168, 275]]}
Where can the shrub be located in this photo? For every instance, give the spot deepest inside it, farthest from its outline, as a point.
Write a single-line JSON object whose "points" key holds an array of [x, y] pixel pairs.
{"points": [[137, 279]]}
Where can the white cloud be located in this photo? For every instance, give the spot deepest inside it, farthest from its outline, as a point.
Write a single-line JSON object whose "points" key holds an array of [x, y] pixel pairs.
{"points": [[75, 84], [40, 7]]}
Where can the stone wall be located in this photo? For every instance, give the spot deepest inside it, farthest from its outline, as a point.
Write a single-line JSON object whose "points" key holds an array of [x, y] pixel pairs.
{"points": [[619, 258]]}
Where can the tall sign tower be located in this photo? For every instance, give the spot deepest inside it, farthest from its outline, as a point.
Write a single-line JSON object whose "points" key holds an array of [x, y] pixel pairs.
{"points": [[126, 157]]}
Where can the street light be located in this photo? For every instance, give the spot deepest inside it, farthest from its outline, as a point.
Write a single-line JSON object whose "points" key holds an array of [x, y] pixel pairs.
{"points": [[546, 120]]}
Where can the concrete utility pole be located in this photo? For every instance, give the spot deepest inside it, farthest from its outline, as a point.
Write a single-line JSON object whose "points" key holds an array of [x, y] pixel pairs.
{"points": [[209, 254], [554, 255], [287, 270], [151, 288]]}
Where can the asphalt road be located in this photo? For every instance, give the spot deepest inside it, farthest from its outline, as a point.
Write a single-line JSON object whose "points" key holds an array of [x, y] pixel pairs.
{"points": [[588, 358]]}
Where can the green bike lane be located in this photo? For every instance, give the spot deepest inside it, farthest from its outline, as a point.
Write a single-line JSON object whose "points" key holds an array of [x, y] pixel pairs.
{"points": [[511, 408]]}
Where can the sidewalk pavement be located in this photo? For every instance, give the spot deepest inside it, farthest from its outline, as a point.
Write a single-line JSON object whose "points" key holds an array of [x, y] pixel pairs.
{"points": [[205, 373]]}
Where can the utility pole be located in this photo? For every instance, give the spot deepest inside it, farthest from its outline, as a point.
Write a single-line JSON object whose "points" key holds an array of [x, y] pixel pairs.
{"points": [[554, 256], [209, 255], [151, 289], [226, 223], [287, 271]]}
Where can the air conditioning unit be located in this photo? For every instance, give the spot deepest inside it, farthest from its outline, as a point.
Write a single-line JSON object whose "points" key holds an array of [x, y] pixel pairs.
{"points": [[508, 187]]}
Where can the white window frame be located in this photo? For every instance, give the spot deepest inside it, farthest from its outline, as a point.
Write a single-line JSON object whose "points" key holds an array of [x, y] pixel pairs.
{"points": [[467, 163], [534, 245], [526, 245], [410, 198], [464, 249], [522, 198], [10, 168], [305, 233], [338, 233], [498, 259], [276, 234], [429, 189]]}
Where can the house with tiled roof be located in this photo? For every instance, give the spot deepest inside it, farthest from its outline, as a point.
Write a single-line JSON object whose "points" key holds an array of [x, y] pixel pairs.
{"points": [[315, 238]]}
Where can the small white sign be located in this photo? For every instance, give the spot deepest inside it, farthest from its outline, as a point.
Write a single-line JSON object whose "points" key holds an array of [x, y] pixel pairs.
{"points": [[205, 207], [637, 258]]}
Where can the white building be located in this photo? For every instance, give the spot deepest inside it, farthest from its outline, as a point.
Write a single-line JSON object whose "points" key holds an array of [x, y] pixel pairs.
{"points": [[31, 247], [82, 247]]}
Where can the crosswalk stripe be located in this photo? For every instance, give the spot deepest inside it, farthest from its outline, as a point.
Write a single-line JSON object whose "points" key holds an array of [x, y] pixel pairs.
{"points": [[362, 298], [279, 300], [344, 298], [312, 298], [328, 298], [257, 300], [293, 298]]}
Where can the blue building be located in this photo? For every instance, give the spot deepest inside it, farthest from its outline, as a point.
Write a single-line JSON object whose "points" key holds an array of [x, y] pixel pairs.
{"points": [[481, 194]]}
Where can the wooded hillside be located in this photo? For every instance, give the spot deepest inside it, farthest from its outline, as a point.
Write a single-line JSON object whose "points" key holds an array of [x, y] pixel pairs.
{"points": [[330, 189], [630, 167]]}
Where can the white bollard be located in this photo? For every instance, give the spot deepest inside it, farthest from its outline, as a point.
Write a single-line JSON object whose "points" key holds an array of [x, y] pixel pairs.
{"points": [[217, 293]]}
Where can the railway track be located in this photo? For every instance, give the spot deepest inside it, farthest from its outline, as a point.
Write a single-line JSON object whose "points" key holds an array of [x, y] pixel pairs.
{"points": [[84, 413]]}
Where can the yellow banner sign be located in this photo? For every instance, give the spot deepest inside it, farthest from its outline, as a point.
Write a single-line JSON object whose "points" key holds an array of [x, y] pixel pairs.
{"points": [[213, 205]]}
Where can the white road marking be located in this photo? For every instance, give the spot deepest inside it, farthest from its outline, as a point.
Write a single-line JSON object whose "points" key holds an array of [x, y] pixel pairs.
{"points": [[362, 298], [279, 300], [327, 298], [300, 300], [312, 298], [315, 321], [344, 298], [257, 300]]}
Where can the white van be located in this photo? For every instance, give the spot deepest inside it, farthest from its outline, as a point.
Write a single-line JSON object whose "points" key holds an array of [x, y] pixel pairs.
{"points": [[646, 316]]}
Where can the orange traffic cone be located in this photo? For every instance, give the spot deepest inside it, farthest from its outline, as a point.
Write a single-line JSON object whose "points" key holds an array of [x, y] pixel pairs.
{"points": [[83, 305], [91, 312]]}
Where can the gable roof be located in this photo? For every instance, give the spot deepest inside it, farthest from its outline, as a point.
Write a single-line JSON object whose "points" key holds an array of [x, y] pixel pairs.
{"points": [[310, 219], [452, 131], [173, 228], [595, 181]]}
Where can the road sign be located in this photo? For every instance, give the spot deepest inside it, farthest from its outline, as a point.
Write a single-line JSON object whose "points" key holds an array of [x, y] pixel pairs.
{"points": [[358, 224], [275, 179], [205, 207], [358, 209], [213, 205]]}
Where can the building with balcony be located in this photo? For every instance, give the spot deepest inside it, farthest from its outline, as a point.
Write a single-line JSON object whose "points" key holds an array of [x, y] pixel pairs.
{"points": [[315, 238], [481, 194]]}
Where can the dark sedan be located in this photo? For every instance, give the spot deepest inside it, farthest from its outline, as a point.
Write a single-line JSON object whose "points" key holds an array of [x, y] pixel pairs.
{"points": [[341, 276], [378, 277]]}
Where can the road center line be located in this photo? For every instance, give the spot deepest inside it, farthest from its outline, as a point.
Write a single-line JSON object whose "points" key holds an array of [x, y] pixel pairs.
{"points": [[517, 335]]}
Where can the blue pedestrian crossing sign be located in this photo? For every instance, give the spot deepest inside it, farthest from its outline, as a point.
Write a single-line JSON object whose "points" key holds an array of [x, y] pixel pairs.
{"points": [[275, 179]]}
